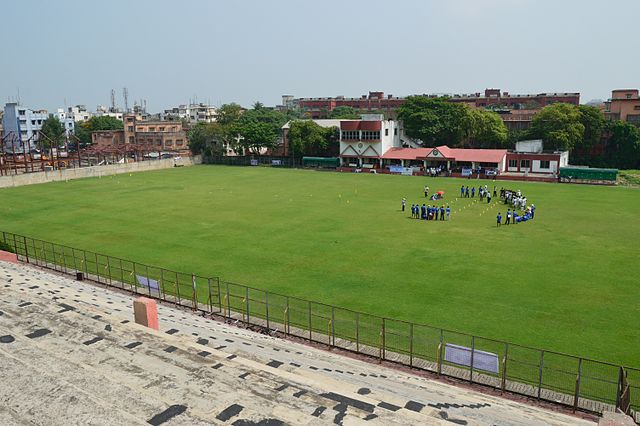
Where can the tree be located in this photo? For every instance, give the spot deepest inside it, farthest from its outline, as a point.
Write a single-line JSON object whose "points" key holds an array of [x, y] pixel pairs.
{"points": [[258, 128], [306, 137], [559, 126], [486, 129], [344, 112], [83, 129], [229, 114], [623, 146], [434, 121], [594, 124], [52, 133], [207, 139]]}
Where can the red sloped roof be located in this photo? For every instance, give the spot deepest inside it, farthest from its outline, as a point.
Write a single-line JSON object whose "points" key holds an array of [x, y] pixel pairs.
{"points": [[472, 154], [405, 153]]}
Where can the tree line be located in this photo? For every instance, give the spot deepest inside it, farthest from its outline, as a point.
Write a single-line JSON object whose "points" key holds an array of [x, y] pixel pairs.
{"points": [[582, 130]]}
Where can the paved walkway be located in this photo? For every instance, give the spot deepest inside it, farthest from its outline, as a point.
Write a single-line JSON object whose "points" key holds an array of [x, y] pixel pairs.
{"points": [[69, 354]]}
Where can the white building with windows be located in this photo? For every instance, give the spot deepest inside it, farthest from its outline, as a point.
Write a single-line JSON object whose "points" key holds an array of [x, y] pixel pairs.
{"points": [[529, 157], [363, 142]]}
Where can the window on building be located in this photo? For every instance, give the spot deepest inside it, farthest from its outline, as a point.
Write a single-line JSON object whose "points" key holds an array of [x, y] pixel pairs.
{"points": [[21, 112], [395, 131], [628, 95], [132, 139], [525, 164], [168, 142], [179, 142], [33, 122], [386, 132], [161, 129], [152, 129], [368, 135], [637, 107], [545, 164], [350, 135], [130, 128], [513, 164], [129, 119]]}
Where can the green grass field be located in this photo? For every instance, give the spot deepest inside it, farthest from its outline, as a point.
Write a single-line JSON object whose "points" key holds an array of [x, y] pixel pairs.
{"points": [[567, 281]]}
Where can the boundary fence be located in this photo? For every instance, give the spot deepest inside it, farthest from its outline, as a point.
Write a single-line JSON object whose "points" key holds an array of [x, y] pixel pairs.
{"points": [[258, 160], [576, 382]]}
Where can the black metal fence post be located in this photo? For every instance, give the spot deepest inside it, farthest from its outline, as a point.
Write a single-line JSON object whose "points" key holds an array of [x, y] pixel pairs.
{"points": [[210, 295], [219, 295], [97, 271], [163, 295], [504, 367], [177, 287], [333, 328], [246, 301], [473, 349], [577, 393], [266, 307], [109, 270], [310, 336], [228, 297], [195, 291], [26, 250], [382, 340], [357, 331], [540, 374], [411, 345]]}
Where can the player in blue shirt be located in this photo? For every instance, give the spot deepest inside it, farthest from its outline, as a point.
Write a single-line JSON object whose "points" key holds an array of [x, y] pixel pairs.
{"points": [[499, 219], [448, 213], [473, 192], [462, 191]]}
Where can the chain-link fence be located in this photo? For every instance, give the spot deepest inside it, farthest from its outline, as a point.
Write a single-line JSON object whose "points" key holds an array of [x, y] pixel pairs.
{"points": [[261, 160], [572, 381]]}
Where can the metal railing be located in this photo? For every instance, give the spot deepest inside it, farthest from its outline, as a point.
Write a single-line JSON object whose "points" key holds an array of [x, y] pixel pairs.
{"points": [[573, 381]]}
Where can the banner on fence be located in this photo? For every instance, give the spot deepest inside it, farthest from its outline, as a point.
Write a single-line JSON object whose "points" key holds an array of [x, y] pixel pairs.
{"points": [[467, 171], [461, 355], [254, 162], [276, 162], [148, 282]]}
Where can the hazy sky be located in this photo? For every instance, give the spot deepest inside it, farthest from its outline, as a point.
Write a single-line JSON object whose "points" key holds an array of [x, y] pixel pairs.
{"points": [[168, 52]]}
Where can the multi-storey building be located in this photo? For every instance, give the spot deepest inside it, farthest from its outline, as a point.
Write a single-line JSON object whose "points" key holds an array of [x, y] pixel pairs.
{"points": [[193, 113], [21, 127], [159, 135], [517, 111], [624, 105]]}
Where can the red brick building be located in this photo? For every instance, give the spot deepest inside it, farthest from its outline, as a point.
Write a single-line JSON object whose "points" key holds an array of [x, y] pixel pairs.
{"points": [[379, 103]]}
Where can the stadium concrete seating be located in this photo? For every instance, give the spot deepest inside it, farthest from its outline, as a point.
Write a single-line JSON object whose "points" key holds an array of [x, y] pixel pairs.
{"points": [[70, 353]]}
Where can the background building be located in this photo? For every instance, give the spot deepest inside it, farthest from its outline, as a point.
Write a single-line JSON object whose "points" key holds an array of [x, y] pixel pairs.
{"points": [[192, 113], [624, 105], [21, 126], [160, 135], [516, 110], [530, 157]]}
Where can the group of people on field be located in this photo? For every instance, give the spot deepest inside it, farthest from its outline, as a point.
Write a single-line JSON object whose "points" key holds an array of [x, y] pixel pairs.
{"points": [[428, 212], [518, 203], [515, 199], [483, 192]]}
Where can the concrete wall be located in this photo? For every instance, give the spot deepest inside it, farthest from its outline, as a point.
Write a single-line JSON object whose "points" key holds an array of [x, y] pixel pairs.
{"points": [[96, 171]]}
